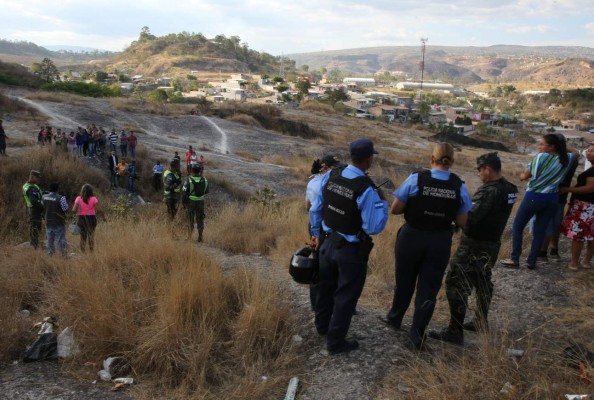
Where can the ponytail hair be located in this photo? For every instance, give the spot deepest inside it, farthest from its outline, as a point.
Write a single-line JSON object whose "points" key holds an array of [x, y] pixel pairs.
{"points": [[557, 140], [443, 154]]}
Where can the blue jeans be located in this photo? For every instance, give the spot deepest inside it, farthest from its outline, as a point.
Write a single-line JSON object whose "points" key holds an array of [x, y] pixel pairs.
{"points": [[543, 211], [53, 234]]}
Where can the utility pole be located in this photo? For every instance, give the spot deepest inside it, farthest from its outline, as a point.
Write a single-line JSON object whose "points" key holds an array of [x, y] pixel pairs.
{"points": [[422, 66]]}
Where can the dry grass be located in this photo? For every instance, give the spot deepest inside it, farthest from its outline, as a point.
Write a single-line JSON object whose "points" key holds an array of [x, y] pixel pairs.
{"points": [[67, 98], [194, 330], [9, 105], [135, 106], [245, 120], [317, 107], [482, 372]]}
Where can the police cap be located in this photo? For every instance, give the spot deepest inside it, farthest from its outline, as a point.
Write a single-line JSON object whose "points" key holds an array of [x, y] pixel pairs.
{"points": [[331, 161], [490, 159], [362, 148]]}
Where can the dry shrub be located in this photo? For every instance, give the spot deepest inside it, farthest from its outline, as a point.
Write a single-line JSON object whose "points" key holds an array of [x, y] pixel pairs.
{"points": [[188, 327], [146, 107], [245, 120], [482, 372], [246, 228], [55, 166], [317, 107]]}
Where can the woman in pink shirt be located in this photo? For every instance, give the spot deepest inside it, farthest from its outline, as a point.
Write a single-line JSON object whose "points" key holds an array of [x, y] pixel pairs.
{"points": [[86, 206]]}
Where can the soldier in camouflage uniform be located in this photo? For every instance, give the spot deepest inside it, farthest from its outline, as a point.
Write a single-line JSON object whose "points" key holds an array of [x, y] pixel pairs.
{"points": [[470, 267]]}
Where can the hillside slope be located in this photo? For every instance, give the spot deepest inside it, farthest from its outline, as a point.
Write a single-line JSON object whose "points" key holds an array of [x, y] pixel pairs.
{"points": [[560, 65]]}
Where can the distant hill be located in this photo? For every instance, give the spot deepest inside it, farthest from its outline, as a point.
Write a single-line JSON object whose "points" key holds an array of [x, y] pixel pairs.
{"points": [[553, 64], [178, 54], [74, 49], [22, 52]]}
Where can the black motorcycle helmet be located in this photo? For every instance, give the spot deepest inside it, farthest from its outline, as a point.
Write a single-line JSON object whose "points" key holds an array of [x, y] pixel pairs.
{"points": [[303, 267]]}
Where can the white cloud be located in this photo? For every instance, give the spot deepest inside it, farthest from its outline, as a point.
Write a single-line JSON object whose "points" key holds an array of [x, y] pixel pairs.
{"points": [[531, 28], [304, 25], [589, 28]]}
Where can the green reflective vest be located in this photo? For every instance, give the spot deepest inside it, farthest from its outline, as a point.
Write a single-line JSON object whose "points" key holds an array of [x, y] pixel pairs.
{"points": [[30, 203], [176, 178], [196, 190]]}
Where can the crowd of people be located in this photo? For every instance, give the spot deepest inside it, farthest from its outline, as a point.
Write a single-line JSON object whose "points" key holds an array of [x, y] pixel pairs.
{"points": [[54, 208], [89, 141], [346, 208]]}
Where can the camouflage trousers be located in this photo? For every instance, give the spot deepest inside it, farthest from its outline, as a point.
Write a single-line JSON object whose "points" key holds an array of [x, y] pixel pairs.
{"points": [[470, 268]]}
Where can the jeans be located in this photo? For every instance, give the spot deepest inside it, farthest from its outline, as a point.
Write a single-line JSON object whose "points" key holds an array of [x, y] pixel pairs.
{"points": [[132, 151], [53, 234], [543, 211]]}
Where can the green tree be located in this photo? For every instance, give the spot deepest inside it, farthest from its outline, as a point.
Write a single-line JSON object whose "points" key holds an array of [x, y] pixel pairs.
{"points": [[46, 70], [145, 34], [100, 76], [424, 109], [281, 87], [304, 67], [334, 96], [303, 86]]}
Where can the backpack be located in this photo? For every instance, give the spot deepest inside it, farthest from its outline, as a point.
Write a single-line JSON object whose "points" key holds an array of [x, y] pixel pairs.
{"points": [[190, 188]]}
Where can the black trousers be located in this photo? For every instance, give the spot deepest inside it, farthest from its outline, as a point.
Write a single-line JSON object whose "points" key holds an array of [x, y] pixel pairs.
{"points": [[87, 225], [195, 213], [158, 182], [421, 261], [343, 270], [172, 204], [34, 226]]}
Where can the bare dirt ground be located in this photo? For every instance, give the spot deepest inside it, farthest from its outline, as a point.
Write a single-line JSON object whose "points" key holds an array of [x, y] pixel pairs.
{"points": [[522, 304]]}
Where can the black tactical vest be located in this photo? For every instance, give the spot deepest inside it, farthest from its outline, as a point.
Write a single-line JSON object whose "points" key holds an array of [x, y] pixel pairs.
{"points": [[340, 211], [54, 215], [492, 225], [436, 203]]}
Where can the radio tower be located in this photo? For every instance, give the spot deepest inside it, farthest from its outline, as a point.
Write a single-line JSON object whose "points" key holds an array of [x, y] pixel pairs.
{"points": [[422, 66]]}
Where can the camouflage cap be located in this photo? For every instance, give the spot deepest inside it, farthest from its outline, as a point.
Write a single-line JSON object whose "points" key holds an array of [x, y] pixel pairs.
{"points": [[491, 159]]}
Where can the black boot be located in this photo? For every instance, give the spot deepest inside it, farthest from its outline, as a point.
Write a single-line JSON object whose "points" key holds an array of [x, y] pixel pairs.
{"points": [[448, 335]]}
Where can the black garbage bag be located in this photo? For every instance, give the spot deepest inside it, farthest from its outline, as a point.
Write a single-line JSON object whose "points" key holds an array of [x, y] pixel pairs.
{"points": [[577, 354], [44, 348]]}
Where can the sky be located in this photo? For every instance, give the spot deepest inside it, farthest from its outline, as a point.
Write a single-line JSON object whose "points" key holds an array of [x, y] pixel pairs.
{"points": [[295, 26]]}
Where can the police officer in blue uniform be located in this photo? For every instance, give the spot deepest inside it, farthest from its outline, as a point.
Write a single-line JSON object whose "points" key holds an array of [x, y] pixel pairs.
{"points": [[432, 201], [347, 211]]}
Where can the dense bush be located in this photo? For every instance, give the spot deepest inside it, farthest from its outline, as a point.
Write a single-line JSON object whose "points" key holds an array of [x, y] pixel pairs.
{"points": [[84, 89], [14, 74]]}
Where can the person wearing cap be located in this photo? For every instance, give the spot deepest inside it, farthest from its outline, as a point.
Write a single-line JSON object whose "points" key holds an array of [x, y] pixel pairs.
{"points": [[471, 265], [172, 184], [544, 174], [318, 169], [347, 211], [194, 190], [34, 202], [55, 206], [433, 203]]}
